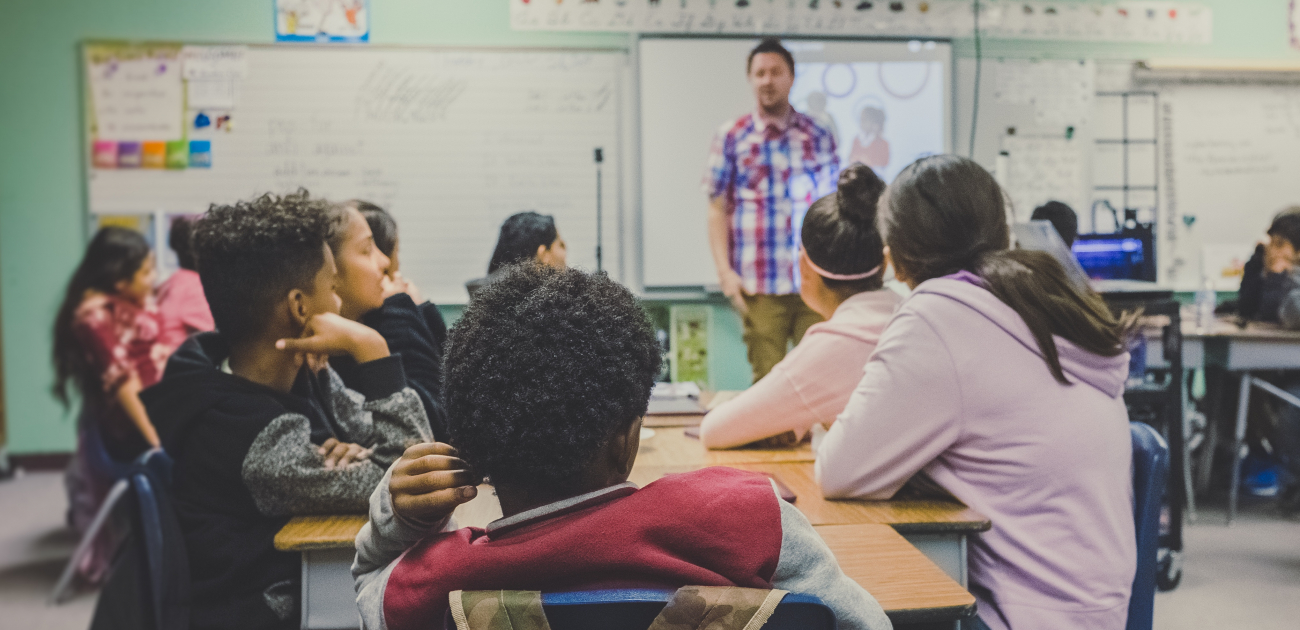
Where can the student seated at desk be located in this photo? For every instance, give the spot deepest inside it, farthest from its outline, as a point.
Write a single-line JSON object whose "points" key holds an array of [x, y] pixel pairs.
{"points": [[373, 297], [1005, 385], [524, 236], [841, 267], [549, 372], [1267, 277], [1270, 292], [255, 436]]}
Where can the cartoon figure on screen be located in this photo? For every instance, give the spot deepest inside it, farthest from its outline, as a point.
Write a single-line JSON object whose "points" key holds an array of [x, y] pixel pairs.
{"points": [[870, 146], [815, 107]]}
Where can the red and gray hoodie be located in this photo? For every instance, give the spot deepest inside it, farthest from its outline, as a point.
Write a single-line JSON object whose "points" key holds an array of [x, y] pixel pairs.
{"points": [[712, 527]]}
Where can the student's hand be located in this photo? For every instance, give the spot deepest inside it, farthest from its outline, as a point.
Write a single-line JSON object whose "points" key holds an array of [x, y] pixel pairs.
{"points": [[331, 334], [429, 481], [734, 288], [342, 454], [397, 283]]}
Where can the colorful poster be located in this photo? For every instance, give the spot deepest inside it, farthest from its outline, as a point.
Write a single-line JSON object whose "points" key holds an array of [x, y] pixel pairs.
{"points": [[322, 20]]}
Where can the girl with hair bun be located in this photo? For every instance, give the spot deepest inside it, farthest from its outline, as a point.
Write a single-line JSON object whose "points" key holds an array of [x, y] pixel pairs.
{"points": [[1004, 384], [841, 267]]}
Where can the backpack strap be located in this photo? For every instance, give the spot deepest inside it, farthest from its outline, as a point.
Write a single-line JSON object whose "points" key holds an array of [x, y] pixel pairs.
{"points": [[718, 608], [498, 610]]}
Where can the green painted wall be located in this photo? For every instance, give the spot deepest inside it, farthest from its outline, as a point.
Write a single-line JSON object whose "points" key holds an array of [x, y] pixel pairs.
{"points": [[42, 228]]}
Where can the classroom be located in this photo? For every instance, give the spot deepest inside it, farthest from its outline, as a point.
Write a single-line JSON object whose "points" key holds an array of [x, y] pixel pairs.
{"points": [[738, 314]]}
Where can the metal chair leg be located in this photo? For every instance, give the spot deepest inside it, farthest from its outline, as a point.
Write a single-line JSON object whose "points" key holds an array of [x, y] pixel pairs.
{"points": [[1238, 438], [59, 595]]}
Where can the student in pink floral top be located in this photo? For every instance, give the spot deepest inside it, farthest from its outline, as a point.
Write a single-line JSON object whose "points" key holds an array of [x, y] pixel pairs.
{"points": [[106, 344]]}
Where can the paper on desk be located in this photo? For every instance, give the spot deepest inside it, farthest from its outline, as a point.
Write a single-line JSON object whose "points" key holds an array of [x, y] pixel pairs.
{"points": [[675, 390]]}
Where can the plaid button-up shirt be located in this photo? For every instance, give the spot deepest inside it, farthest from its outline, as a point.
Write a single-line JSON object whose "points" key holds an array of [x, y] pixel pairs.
{"points": [[768, 175]]}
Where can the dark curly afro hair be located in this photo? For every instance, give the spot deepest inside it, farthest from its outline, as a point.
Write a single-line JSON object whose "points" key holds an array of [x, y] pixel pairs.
{"points": [[252, 253], [543, 368]]}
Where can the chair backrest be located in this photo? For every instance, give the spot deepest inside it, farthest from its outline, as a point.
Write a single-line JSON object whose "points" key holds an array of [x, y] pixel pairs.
{"points": [[635, 609], [1150, 475], [149, 584]]}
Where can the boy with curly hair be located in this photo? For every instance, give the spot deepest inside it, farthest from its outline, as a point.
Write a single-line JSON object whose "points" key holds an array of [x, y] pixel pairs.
{"points": [[260, 428], [548, 375]]}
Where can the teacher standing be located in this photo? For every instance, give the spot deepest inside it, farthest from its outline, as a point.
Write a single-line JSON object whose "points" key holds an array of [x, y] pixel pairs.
{"points": [[765, 170]]}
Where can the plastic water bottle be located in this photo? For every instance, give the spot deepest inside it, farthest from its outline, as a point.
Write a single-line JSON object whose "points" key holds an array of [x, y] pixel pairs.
{"points": [[1206, 300]]}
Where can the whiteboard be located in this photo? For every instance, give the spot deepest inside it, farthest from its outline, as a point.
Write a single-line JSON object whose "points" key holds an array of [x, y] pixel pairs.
{"points": [[1234, 153], [451, 142], [690, 87]]}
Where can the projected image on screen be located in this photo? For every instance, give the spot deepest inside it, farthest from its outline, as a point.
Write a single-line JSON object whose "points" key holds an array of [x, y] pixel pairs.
{"points": [[883, 114]]}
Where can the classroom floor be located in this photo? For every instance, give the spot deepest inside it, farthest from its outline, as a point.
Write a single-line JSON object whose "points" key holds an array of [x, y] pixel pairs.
{"points": [[1246, 576]]}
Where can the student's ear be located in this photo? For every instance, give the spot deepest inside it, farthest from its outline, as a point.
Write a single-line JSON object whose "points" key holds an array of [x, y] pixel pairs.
{"points": [[543, 254], [299, 310], [623, 448]]}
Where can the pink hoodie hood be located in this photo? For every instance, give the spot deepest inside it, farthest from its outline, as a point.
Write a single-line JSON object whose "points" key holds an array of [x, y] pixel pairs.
{"points": [[1106, 374]]}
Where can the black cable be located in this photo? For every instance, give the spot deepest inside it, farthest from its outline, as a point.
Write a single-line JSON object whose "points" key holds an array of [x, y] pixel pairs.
{"points": [[975, 107]]}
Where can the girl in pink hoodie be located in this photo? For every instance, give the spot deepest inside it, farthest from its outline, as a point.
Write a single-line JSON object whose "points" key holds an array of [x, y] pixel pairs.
{"points": [[1004, 384], [840, 268]]}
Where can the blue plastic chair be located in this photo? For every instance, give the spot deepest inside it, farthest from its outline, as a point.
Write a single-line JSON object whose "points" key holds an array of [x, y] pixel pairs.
{"points": [[635, 609], [148, 585], [101, 465], [1150, 476]]}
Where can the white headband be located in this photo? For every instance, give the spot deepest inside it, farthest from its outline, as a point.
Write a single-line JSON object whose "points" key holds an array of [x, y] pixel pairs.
{"points": [[838, 276]]}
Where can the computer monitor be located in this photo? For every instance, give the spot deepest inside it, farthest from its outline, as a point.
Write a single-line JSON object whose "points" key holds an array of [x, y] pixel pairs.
{"points": [[1127, 255]]}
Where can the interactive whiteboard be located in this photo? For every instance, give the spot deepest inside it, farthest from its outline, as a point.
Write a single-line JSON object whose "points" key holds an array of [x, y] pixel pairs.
{"points": [[690, 87]]}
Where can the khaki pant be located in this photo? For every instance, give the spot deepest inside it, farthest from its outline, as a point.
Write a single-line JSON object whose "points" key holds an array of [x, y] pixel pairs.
{"points": [[773, 323]]}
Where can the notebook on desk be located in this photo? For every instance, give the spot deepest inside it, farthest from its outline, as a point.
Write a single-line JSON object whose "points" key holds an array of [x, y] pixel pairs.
{"points": [[674, 407]]}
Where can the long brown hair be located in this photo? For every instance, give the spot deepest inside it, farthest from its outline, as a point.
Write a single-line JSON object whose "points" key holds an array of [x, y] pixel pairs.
{"points": [[945, 214], [115, 254]]}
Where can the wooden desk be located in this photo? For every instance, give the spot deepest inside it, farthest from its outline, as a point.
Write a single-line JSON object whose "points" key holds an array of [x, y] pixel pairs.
{"points": [[940, 529], [911, 588]]}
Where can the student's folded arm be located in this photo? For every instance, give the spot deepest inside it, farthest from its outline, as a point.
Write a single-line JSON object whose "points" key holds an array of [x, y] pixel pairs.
{"points": [[809, 567], [386, 415], [904, 413], [286, 475], [1289, 313], [770, 407], [380, 543]]}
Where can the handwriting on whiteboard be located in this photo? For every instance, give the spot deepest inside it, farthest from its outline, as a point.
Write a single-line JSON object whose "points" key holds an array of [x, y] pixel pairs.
{"points": [[405, 95]]}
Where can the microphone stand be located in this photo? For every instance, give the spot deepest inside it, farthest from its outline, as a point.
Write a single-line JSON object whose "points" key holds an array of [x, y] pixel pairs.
{"points": [[600, 232]]}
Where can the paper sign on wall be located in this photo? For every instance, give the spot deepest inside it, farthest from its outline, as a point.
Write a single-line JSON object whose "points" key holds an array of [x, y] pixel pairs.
{"points": [[213, 74], [137, 95], [322, 20]]}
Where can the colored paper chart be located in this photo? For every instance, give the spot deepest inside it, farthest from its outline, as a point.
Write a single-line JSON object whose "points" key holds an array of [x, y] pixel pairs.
{"points": [[136, 106], [1150, 21]]}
